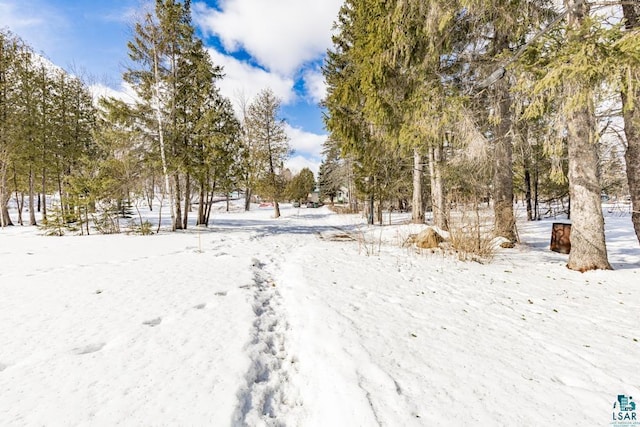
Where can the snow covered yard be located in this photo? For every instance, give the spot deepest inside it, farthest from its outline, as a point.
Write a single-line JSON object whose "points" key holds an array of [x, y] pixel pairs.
{"points": [[257, 321]]}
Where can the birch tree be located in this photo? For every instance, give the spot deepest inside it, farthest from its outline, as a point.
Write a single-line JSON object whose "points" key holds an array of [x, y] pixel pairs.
{"points": [[149, 49]]}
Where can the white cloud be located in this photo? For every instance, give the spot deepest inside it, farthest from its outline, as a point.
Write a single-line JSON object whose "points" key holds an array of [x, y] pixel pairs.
{"points": [[125, 93], [242, 81], [280, 34], [297, 163], [315, 85], [305, 143]]}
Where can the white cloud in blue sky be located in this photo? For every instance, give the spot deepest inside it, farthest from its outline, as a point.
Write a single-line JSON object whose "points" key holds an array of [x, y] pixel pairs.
{"points": [[305, 143], [242, 79], [281, 35], [315, 85]]}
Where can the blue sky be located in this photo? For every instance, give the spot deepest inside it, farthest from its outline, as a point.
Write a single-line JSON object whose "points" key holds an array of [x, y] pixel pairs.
{"points": [[261, 43]]}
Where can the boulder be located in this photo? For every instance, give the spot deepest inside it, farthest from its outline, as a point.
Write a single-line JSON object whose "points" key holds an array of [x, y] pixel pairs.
{"points": [[429, 238]]}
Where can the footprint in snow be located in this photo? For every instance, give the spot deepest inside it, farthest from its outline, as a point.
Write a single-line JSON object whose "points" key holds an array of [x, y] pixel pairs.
{"points": [[221, 294], [3, 367], [153, 322], [200, 306], [91, 348]]}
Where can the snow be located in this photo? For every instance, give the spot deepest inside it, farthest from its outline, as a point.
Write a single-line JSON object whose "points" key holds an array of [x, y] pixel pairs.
{"points": [[312, 319]]}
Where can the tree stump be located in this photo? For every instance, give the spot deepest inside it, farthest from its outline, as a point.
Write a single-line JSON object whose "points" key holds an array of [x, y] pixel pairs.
{"points": [[561, 238]]}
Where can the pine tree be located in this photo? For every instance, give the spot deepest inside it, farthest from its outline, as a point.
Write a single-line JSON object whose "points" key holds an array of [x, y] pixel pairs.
{"points": [[330, 178], [267, 134], [43, 144], [347, 71], [47, 119], [217, 164], [588, 246], [175, 80], [11, 48], [301, 185], [578, 58]]}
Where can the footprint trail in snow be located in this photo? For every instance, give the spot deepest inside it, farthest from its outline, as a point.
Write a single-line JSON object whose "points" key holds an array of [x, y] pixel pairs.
{"points": [[268, 395]]}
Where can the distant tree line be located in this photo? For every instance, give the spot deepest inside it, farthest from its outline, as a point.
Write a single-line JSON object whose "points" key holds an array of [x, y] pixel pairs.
{"points": [[487, 100], [47, 120]]}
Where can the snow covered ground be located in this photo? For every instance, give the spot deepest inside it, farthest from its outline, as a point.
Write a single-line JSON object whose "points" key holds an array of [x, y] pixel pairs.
{"points": [[265, 322]]}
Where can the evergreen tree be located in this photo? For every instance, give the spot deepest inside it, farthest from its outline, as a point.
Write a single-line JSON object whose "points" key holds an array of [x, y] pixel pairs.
{"points": [[217, 162], [175, 80], [47, 119], [267, 134], [588, 246], [301, 185], [578, 58], [44, 142], [346, 68], [11, 48], [329, 178]]}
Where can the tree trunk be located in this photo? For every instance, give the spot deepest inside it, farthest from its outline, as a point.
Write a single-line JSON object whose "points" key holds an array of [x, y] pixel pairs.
{"points": [[5, 219], [158, 114], [438, 200], [44, 194], [536, 194], [86, 218], [277, 206], [371, 205], [527, 196], [187, 201], [247, 199], [632, 158], [209, 206], [4, 216], [151, 192], [177, 209], [63, 214], [504, 225], [417, 213], [19, 204], [588, 245], [203, 204], [632, 129]]}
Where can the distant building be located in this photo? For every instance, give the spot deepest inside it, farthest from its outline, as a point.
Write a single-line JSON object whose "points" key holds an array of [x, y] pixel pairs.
{"points": [[314, 197], [342, 196]]}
